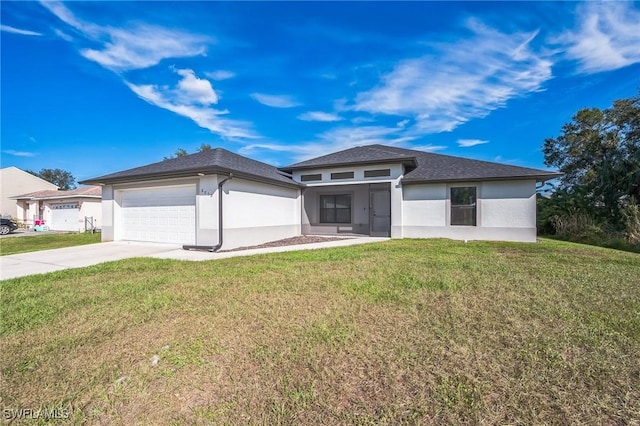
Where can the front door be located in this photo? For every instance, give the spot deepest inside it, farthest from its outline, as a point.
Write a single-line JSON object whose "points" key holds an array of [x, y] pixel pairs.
{"points": [[380, 212]]}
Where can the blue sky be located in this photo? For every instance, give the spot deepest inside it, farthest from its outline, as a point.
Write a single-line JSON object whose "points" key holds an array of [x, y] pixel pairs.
{"points": [[97, 87]]}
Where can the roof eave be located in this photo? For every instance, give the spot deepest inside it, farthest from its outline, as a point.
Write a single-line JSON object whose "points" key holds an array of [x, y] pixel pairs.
{"points": [[185, 174], [538, 178], [406, 161]]}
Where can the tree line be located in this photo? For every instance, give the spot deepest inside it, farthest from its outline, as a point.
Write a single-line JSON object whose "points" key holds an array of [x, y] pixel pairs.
{"points": [[597, 197]]}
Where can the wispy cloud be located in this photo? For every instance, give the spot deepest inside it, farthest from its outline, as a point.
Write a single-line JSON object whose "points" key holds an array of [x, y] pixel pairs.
{"points": [[8, 29], [459, 81], [430, 148], [336, 139], [19, 153], [319, 116], [144, 46], [220, 75], [608, 36], [192, 97], [139, 46], [466, 143], [276, 101]]}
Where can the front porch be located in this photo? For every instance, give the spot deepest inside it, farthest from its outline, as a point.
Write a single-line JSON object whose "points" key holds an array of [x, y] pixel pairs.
{"points": [[351, 209]]}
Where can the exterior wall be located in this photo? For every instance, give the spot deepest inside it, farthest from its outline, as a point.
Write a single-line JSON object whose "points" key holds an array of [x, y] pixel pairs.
{"points": [[359, 210], [506, 211], [255, 213], [27, 212], [358, 186], [112, 202], [396, 171], [88, 207], [14, 181], [91, 208]]}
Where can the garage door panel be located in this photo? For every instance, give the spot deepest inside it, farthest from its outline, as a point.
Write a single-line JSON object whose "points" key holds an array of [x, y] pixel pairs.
{"points": [[159, 215], [64, 219]]}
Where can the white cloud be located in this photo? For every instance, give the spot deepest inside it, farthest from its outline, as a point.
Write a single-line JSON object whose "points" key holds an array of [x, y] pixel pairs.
{"points": [[430, 148], [19, 153], [138, 47], [8, 29], [465, 143], [220, 75], [194, 89], [275, 101], [144, 46], [191, 98], [336, 139], [319, 116], [460, 81], [608, 36]]}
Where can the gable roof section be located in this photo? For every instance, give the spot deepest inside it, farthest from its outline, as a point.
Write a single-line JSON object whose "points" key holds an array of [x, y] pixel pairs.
{"points": [[369, 154], [425, 166], [217, 160], [86, 192]]}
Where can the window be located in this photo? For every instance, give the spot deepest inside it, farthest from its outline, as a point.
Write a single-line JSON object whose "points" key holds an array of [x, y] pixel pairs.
{"points": [[335, 208], [342, 175], [377, 173], [463, 206], [307, 178]]}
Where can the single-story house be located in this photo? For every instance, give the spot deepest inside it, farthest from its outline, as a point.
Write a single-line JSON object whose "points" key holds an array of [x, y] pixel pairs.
{"points": [[14, 181], [75, 210], [216, 198]]}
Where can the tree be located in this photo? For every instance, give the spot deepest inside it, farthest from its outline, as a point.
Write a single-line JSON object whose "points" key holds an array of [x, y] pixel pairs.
{"points": [[599, 154], [63, 179], [180, 152]]}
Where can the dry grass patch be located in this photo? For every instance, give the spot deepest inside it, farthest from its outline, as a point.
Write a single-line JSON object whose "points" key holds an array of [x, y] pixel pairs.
{"points": [[406, 331]]}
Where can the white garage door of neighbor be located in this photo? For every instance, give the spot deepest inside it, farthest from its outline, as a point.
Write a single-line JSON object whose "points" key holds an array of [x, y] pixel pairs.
{"points": [[64, 217], [162, 215]]}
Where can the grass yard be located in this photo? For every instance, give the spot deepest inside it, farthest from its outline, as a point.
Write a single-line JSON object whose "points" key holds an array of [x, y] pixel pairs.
{"points": [[14, 245], [405, 331]]}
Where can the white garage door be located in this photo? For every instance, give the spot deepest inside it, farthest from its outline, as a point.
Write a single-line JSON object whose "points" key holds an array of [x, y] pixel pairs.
{"points": [[64, 217], [163, 215]]}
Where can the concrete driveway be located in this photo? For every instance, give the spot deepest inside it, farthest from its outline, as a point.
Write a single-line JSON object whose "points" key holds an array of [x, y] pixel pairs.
{"points": [[40, 262]]}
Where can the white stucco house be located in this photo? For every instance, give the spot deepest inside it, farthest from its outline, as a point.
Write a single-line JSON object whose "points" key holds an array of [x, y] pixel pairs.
{"points": [[218, 198], [61, 210], [14, 181]]}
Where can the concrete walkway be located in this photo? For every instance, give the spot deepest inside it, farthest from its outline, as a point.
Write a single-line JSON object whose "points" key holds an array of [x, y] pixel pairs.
{"points": [[40, 262]]}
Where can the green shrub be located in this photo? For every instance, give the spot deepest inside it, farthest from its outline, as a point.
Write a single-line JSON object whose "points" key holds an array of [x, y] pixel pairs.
{"points": [[631, 215]]}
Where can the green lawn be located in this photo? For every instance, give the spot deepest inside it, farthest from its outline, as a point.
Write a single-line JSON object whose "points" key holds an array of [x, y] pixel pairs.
{"points": [[13, 245], [405, 331]]}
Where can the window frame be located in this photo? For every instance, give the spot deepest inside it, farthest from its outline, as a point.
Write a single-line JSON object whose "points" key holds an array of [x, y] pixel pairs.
{"points": [[342, 175], [335, 209], [374, 173], [461, 207], [313, 177]]}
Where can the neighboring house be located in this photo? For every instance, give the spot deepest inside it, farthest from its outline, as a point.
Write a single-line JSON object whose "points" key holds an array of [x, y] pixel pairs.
{"points": [[215, 197], [62, 210], [14, 181]]}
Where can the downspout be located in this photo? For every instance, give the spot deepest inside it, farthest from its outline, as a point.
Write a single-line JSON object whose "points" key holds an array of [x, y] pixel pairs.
{"points": [[220, 222]]}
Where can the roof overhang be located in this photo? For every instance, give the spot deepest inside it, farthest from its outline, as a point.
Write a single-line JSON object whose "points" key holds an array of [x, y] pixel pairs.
{"points": [[537, 178], [197, 172]]}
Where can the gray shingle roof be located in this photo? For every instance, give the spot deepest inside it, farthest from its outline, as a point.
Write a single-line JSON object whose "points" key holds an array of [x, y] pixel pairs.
{"points": [[217, 160], [424, 166]]}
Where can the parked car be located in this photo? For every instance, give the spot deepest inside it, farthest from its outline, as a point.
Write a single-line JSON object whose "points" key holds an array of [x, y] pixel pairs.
{"points": [[7, 226]]}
